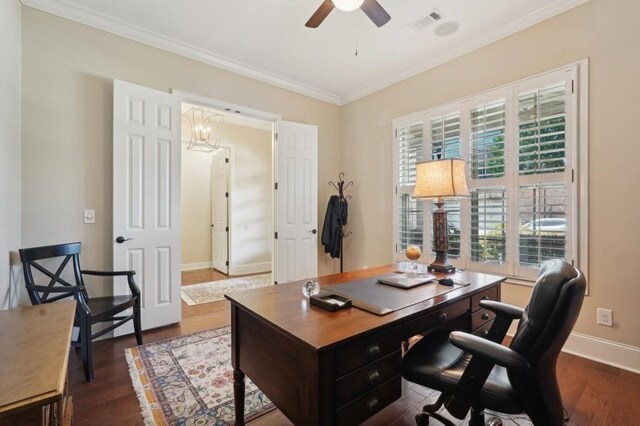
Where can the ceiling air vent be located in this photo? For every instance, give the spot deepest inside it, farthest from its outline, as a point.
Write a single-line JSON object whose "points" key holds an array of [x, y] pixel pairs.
{"points": [[426, 20]]}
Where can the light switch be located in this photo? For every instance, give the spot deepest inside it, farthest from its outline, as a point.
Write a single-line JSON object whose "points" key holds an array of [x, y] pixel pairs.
{"points": [[89, 216]]}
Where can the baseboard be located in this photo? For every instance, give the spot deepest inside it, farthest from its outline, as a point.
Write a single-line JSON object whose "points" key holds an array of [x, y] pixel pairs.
{"points": [[250, 268], [619, 355], [192, 266]]}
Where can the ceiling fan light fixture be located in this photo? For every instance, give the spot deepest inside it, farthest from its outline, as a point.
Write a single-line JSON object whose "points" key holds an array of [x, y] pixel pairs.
{"points": [[347, 5]]}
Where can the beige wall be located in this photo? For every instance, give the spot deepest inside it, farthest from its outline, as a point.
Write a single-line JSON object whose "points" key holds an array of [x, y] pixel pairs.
{"points": [[608, 34], [251, 213], [68, 69], [10, 113]]}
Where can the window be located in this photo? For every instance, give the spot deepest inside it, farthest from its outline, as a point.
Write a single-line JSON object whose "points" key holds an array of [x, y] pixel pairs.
{"points": [[521, 146]]}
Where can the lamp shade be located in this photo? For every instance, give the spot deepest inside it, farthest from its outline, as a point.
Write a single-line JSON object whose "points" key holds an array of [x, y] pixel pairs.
{"points": [[441, 178]]}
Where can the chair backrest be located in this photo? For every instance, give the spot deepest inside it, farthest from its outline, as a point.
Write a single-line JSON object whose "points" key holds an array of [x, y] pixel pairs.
{"points": [[543, 329], [55, 289]]}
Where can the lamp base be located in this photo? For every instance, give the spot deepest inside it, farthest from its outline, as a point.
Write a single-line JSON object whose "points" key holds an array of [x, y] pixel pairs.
{"points": [[441, 268]]}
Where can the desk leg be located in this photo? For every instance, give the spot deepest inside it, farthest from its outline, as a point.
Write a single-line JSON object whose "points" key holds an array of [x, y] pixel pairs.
{"points": [[238, 396]]}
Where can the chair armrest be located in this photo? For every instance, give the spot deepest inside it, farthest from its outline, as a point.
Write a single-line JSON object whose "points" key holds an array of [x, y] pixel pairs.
{"points": [[502, 309], [135, 291], [109, 273], [490, 351]]}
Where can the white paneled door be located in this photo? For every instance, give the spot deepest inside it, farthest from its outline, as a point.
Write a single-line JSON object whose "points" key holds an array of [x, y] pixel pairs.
{"points": [[220, 210], [146, 199], [296, 246]]}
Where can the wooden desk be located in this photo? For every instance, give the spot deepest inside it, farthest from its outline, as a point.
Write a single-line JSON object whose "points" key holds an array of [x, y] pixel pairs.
{"points": [[324, 368], [34, 351]]}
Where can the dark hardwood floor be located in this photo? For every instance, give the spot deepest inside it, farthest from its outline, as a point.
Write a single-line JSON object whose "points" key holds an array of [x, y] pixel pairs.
{"points": [[594, 394]]}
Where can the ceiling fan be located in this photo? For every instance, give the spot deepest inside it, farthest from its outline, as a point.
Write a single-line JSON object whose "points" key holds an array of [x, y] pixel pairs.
{"points": [[371, 8]]}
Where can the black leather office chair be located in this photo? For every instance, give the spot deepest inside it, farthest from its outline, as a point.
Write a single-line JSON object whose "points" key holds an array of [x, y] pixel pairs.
{"points": [[89, 311], [477, 373]]}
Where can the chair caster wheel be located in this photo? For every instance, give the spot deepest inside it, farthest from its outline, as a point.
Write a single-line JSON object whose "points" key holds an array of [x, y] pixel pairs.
{"points": [[494, 422], [422, 419]]}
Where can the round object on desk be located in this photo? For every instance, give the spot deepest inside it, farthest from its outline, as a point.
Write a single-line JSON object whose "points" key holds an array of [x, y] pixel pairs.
{"points": [[310, 288], [413, 252]]}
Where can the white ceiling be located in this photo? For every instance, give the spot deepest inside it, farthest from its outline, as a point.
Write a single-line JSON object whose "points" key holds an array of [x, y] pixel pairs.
{"points": [[267, 39]]}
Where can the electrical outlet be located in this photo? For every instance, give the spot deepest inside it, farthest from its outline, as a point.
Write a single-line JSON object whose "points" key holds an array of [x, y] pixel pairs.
{"points": [[605, 317]]}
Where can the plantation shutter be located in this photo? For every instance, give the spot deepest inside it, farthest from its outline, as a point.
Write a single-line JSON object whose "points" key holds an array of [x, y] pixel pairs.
{"points": [[410, 212], [488, 225], [487, 137]]}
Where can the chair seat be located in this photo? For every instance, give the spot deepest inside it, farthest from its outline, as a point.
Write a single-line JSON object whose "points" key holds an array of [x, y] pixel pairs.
{"points": [[435, 363], [104, 307]]}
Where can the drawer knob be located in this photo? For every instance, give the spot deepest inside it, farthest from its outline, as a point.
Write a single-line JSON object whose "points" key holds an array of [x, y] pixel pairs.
{"points": [[373, 350], [374, 376], [373, 403], [442, 316], [485, 316], [485, 297]]}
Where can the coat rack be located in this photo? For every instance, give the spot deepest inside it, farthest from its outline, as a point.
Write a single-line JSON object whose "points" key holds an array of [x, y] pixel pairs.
{"points": [[341, 218]]}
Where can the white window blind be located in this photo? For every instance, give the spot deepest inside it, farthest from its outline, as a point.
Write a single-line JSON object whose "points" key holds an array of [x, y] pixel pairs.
{"points": [[522, 148], [488, 225], [410, 212], [487, 134], [541, 122], [542, 214], [445, 136], [410, 151]]}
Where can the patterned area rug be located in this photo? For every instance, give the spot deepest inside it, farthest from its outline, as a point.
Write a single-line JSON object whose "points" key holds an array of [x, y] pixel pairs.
{"points": [[189, 381], [215, 290]]}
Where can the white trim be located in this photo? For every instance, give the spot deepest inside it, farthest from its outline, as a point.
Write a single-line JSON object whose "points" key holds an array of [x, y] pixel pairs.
{"points": [[220, 105], [102, 22], [616, 354], [515, 26], [250, 268], [93, 19], [194, 266], [619, 355]]}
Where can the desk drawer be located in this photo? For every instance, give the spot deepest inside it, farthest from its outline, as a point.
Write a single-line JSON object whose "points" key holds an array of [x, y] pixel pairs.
{"points": [[370, 403], [488, 294], [479, 318], [436, 318], [365, 378], [361, 352], [483, 330]]}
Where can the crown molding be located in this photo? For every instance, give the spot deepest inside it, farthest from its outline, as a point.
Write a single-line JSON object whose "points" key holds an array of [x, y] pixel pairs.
{"points": [[526, 21], [93, 19]]}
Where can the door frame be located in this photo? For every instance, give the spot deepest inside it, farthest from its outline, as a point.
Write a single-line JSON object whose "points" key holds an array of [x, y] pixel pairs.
{"points": [[217, 104]]}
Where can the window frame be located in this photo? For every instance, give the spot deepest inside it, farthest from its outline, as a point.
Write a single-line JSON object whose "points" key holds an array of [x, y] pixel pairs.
{"points": [[574, 176]]}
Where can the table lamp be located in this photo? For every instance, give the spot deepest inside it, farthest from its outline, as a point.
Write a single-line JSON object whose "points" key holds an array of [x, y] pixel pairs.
{"points": [[440, 179]]}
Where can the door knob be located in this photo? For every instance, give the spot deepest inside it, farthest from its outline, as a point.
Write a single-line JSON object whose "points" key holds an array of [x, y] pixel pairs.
{"points": [[122, 239], [313, 231]]}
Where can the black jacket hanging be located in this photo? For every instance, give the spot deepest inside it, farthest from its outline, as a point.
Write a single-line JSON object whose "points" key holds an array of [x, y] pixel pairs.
{"points": [[334, 220]]}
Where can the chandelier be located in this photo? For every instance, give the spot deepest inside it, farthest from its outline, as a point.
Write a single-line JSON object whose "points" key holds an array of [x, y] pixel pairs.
{"points": [[203, 130]]}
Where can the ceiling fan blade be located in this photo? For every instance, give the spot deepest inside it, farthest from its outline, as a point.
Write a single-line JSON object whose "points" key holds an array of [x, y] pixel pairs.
{"points": [[375, 12], [323, 11]]}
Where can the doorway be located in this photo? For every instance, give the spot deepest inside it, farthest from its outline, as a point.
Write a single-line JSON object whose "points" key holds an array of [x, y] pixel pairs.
{"points": [[227, 202]]}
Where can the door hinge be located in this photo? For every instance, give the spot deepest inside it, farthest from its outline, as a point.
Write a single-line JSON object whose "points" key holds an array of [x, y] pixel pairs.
{"points": [[226, 194], [396, 132], [573, 176], [572, 86], [275, 186], [226, 263], [275, 282], [396, 248], [226, 228], [276, 135], [226, 160], [573, 263], [275, 235], [212, 225]]}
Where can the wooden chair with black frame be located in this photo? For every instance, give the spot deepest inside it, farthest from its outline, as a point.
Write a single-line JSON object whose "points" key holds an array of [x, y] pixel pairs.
{"points": [[89, 310], [475, 373]]}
